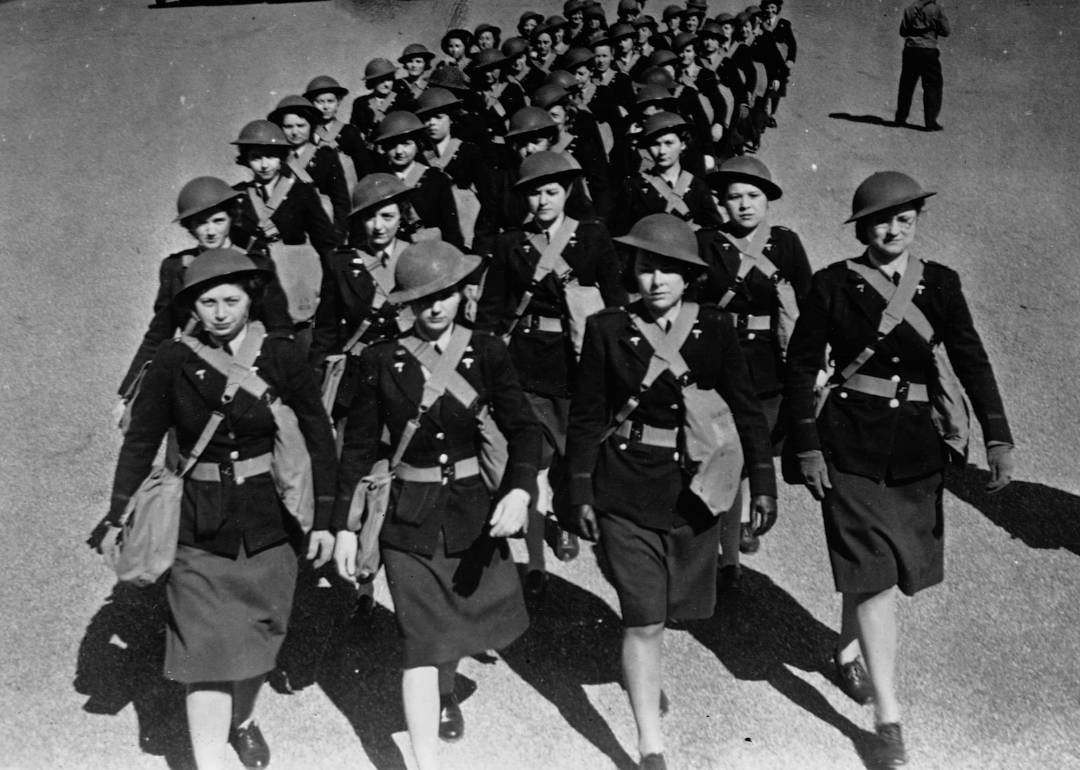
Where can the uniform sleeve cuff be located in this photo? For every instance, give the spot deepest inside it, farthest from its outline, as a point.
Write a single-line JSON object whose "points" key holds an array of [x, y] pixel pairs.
{"points": [[581, 489]]}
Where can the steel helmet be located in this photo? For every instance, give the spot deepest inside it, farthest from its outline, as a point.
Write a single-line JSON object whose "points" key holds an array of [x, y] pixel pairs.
{"points": [[530, 119], [884, 190], [200, 194], [515, 46], [680, 42], [725, 18], [496, 32], [263, 133], [377, 190], [662, 123], [556, 22], [574, 58], [460, 34], [646, 21], [398, 124], [561, 78], [657, 76], [214, 264], [595, 11], [619, 30], [324, 84], [428, 267], [652, 93], [296, 105], [379, 68], [414, 50], [628, 5], [549, 95], [549, 166], [435, 100], [570, 6], [530, 16], [666, 235], [697, 5], [747, 170], [662, 57], [488, 59], [671, 12], [449, 77], [710, 29]]}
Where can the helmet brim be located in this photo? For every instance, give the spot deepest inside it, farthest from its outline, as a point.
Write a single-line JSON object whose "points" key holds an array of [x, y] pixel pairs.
{"points": [[867, 211], [720, 180], [466, 267]]}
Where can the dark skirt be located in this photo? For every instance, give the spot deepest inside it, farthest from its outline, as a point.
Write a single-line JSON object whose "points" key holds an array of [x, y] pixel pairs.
{"points": [[661, 575], [227, 616], [885, 533], [553, 412], [450, 607]]}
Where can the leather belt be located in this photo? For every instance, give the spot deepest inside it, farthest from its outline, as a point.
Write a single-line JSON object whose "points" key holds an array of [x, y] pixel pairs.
{"points": [[896, 389], [237, 469], [640, 433], [439, 474], [532, 322], [753, 323]]}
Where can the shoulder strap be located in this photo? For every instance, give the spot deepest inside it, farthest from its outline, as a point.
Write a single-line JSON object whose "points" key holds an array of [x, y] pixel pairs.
{"points": [[666, 355], [442, 161], [564, 141], [416, 173], [674, 200], [330, 135], [266, 209], [443, 369], [299, 162], [551, 260]]}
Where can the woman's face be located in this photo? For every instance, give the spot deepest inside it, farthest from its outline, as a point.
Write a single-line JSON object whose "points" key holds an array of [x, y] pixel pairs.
{"points": [[527, 28], [297, 129], [456, 48], [711, 44], [558, 114], [383, 86], [660, 282], [727, 29], [435, 314], [692, 23], [211, 230], [485, 40], [544, 44], [400, 152], [602, 58], [746, 205], [771, 10], [547, 202], [381, 226], [748, 31], [264, 162], [890, 233], [595, 22], [437, 126], [674, 25], [490, 77], [327, 104], [626, 45], [666, 149], [531, 145], [576, 18], [687, 55], [223, 311], [651, 109], [643, 35], [415, 66], [582, 75], [519, 65]]}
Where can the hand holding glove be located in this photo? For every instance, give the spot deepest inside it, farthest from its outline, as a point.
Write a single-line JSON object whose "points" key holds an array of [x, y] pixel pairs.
{"points": [[583, 523], [999, 458], [762, 514], [815, 474]]}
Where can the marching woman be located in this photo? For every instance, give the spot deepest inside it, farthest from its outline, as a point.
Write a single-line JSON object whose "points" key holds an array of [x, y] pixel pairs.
{"points": [[543, 47], [326, 94], [778, 32], [666, 187], [288, 215], [529, 21], [759, 272], [875, 452], [230, 589], [486, 37], [518, 69], [456, 45], [647, 472], [456, 591], [500, 98], [388, 94], [313, 161], [431, 205], [526, 297], [209, 210], [416, 59]]}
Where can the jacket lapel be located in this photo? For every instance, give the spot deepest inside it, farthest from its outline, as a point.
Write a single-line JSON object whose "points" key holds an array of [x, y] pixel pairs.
{"points": [[863, 296], [632, 340], [406, 374]]}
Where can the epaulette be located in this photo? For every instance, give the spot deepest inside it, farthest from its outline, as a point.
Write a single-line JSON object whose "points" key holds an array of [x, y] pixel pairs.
{"points": [[611, 310], [383, 341], [781, 227]]}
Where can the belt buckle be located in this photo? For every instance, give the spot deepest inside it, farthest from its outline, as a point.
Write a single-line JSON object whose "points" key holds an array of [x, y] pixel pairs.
{"points": [[742, 321], [902, 390], [448, 472], [683, 380], [227, 471], [637, 431]]}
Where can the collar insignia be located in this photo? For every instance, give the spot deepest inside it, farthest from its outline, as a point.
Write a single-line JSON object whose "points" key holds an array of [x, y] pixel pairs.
{"points": [[467, 362], [400, 366], [201, 373], [635, 339]]}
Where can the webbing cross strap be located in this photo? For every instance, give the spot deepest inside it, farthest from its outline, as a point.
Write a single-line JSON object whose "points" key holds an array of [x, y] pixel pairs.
{"points": [[666, 355], [264, 210], [442, 161], [551, 261], [565, 140], [299, 161], [675, 196], [380, 112], [414, 174], [329, 133], [750, 257], [888, 290]]}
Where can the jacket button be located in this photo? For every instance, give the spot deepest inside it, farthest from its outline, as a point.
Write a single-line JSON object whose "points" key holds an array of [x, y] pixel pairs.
{"points": [[674, 406], [750, 336], [843, 394], [896, 360], [622, 446], [896, 378], [894, 403], [676, 456], [440, 436], [234, 456], [443, 458]]}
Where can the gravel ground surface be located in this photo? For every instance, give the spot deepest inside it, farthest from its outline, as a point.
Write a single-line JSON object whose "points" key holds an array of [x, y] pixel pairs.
{"points": [[108, 107]]}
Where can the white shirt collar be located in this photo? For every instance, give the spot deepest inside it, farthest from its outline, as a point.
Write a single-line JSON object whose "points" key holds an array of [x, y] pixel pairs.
{"points": [[896, 267]]}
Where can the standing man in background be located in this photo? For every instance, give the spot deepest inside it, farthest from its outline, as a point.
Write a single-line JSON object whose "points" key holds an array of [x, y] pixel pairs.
{"points": [[924, 22]]}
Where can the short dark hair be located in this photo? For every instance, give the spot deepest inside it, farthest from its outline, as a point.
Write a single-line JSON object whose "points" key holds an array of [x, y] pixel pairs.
{"points": [[245, 150], [231, 207], [252, 284], [860, 224]]}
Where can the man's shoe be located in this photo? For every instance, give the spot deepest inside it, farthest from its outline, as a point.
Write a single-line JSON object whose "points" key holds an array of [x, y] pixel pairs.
{"points": [[730, 578], [653, 762], [451, 720], [854, 680], [748, 541], [888, 749], [535, 585], [567, 547], [250, 746]]}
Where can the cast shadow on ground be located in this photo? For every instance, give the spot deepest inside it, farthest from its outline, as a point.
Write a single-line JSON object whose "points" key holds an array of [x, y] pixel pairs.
{"points": [[575, 639], [873, 120], [162, 4], [120, 662], [1040, 516], [758, 632]]}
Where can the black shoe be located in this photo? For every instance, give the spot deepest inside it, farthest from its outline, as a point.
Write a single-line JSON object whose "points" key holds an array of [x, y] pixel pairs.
{"points": [[451, 720], [935, 126], [730, 578], [653, 762], [854, 680], [900, 122], [748, 541], [888, 750], [535, 586], [665, 707], [250, 746], [770, 122], [364, 609], [567, 546]]}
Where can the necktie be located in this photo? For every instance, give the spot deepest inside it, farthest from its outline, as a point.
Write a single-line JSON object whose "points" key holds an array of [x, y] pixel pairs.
{"points": [[227, 348], [896, 279], [262, 193]]}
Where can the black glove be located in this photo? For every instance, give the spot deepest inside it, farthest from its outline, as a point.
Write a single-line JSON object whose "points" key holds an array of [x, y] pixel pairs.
{"points": [[815, 474], [999, 458], [583, 522], [762, 514]]}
